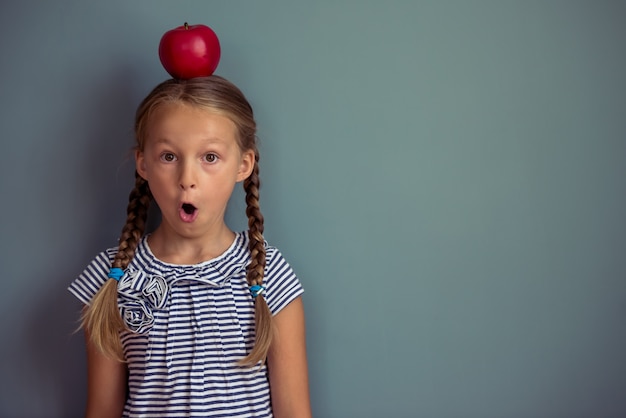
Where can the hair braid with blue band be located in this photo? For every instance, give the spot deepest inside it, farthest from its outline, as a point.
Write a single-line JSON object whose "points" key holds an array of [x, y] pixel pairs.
{"points": [[116, 273], [256, 290]]}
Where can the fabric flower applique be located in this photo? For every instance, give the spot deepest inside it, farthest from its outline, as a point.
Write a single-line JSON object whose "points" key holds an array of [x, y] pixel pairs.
{"points": [[138, 295]]}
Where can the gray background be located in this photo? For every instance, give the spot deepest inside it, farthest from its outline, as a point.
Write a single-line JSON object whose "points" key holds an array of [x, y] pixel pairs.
{"points": [[446, 177]]}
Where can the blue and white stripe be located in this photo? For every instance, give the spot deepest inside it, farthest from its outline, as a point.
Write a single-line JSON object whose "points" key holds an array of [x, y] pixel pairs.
{"points": [[184, 363]]}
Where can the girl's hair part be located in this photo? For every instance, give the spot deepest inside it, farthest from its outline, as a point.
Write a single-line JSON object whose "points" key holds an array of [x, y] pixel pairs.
{"points": [[102, 319]]}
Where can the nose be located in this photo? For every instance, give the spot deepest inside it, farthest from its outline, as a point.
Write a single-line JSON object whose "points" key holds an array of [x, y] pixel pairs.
{"points": [[188, 178]]}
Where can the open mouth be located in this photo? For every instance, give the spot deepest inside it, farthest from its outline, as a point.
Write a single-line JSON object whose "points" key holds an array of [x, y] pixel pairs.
{"points": [[188, 212], [188, 208]]}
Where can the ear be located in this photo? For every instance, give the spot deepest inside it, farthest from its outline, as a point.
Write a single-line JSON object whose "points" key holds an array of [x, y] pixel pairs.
{"points": [[246, 165], [140, 164]]}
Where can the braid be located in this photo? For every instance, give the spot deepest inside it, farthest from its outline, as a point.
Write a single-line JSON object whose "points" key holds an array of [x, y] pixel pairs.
{"points": [[102, 319], [255, 227], [255, 272], [137, 213]]}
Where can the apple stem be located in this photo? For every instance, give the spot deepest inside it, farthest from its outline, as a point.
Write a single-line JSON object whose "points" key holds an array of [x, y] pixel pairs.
{"points": [[186, 26]]}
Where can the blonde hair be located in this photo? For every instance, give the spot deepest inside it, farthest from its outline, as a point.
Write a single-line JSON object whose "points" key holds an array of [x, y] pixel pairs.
{"points": [[101, 319]]}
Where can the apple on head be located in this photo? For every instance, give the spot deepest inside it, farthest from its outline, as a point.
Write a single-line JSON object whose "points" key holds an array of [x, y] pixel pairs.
{"points": [[189, 51]]}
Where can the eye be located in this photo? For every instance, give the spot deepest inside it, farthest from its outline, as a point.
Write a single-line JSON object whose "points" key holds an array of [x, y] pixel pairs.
{"points": [[168, 157], [210, 158]]}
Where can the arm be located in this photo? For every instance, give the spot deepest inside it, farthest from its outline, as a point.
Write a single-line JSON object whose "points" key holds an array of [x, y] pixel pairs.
{"points": [[106, 384], [287, 364]]}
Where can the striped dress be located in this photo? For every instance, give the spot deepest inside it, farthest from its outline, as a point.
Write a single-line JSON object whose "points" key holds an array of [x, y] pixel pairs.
{"points": [[188, 326]]}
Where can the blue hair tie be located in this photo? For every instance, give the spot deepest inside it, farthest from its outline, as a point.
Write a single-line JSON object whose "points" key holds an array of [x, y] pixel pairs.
{"points": [[256, 290], [116, 273]]}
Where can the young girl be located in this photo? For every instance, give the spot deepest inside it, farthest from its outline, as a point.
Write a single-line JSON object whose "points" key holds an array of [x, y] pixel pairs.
{"points": [[194, 319]]}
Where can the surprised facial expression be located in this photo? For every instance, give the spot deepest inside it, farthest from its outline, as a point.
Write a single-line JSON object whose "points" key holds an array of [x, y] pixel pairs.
{"points": [[192, 161]]}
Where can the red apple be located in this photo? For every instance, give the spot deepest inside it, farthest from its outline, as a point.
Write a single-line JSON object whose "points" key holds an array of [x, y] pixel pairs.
{"points": [[189, 51]]}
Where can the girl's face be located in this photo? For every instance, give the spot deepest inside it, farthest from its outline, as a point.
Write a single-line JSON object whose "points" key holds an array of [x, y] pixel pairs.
{"points": [[192, 161]]}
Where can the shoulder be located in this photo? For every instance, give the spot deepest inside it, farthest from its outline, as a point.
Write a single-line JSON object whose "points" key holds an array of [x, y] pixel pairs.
{"points": [[87, 284], [275, 263], [281, 282], [95, 274], [272, 254]]}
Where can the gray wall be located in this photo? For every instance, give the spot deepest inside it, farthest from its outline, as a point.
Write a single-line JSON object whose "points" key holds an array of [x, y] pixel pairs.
{"points": [[447, 178]]}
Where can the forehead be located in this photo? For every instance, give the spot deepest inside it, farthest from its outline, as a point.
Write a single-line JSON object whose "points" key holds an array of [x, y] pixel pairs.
{"points": [[173, 120]]}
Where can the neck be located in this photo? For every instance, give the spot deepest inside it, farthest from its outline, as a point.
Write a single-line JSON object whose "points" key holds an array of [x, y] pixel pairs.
{"points": [[176, 249]]}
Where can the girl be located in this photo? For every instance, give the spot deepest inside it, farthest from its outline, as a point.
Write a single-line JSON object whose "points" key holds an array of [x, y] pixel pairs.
{"points": [[193, 319]]}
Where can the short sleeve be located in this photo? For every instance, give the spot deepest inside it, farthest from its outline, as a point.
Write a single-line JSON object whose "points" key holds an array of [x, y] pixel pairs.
{"points": [[93, 277], [281, 283]]}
